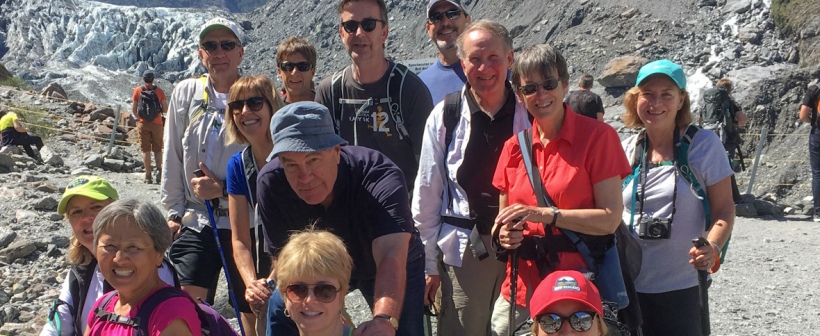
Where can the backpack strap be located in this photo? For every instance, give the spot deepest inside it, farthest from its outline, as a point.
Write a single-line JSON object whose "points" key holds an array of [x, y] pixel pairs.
{"points": [[451, 116], [167, 262], [336, 88], [249, 168], [101, 314], [816, 108], [684, 147], [79, 281], [201, 89], [147, 307], [395, 89]]}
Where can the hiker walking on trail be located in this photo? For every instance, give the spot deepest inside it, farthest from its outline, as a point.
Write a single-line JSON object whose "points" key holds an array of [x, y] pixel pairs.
{"points": [[446, 20], [585, 102], [721, 113], [809, 108], [576, 163], [149, 107], [454, 203], [358, 194], [375, 102], [13, 133], [195, 139], [674, 164]]}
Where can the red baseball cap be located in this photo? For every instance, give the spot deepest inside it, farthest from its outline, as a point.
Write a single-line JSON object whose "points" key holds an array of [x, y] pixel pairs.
{"points": [[565, 286]]}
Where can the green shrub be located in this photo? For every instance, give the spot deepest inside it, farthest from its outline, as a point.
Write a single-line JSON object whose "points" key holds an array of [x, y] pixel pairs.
{"points": [[16, 82]]}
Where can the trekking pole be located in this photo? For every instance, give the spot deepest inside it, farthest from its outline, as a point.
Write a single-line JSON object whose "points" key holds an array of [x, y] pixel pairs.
{"points": [[703, 299], [513, 290], [199, 173]]}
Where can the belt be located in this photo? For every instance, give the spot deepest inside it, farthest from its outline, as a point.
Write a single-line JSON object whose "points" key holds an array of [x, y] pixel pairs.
{"points": [[479, 250]]}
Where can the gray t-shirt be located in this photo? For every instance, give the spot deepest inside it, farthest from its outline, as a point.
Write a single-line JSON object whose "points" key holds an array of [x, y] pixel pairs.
{"points": [[375, 127], [665, 264]]}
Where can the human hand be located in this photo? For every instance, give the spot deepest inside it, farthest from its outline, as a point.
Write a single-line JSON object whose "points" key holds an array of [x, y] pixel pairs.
{"points": [[523, 212], [432, 282], [176, 228], [704, 257], [206, 187], [257, 293]]}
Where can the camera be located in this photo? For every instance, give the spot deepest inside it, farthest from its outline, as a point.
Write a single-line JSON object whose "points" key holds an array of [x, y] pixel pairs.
{"points": [[655, 228]]}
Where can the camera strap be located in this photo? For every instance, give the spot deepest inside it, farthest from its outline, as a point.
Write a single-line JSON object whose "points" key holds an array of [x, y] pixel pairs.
{"points": [[640, 192]]}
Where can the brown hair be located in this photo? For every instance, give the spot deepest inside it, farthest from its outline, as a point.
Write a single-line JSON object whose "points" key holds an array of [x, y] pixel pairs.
{"points": [[631, 119], [725, 83], [586, 81], [382, 8], [296, 45], [541, 59], [250, 85]]}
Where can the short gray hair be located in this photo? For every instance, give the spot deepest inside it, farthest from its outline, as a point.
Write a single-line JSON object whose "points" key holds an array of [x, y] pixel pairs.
{"points": [[491, 27], [144, 215], [540, 59]]}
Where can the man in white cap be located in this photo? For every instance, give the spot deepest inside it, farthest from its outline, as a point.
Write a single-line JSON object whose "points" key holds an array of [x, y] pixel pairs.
{"points": [[195, 139], [446, 20]]}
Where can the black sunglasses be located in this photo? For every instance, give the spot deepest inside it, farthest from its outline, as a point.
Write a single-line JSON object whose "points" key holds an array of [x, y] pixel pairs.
{"points": [[212, 45], [288, 66], [368, 24], [451, 14], [549, 85], [579, 321], [253, 103], [323, 292]]}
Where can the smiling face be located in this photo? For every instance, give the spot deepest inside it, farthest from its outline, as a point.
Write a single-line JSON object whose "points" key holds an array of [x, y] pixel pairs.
{"points": [[543, 103], [313, 316], [80, 212], [486, 63], [127, 257], [254, 125], [658, 103], [297, 83], [221, 62], [445, 32], [363, 46], [312, 175]]}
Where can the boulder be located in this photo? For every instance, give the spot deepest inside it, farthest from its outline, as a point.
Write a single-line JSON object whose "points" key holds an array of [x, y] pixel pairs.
{"points": [[49, 157], [46, 187], [737, 6], [46, 204], [747, 210], [113, 164], [16, 250], [621, 71], [766, 208], [6, 161], [749, 35], [102, 114], [6, 237], [11, 150], [55, 90], [93, 161]]}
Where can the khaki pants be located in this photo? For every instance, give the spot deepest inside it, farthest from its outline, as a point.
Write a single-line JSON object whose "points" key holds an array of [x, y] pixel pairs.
{"points": [[469, 292], [501, 316]]}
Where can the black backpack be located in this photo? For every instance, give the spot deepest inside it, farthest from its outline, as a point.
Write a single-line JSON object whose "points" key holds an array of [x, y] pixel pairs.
{"points": [[717, 107], [149, 107]]}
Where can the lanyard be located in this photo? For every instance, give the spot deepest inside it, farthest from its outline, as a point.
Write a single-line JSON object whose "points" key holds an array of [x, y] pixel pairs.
{"points": [[643, 176]]}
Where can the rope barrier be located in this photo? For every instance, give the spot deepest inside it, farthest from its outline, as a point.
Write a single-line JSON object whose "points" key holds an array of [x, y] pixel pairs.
{"points": [[63, 131]]}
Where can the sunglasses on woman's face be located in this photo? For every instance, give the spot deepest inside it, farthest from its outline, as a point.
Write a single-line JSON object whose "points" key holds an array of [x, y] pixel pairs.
{"points": [[579, 321], [549, 85], [323, 292], [451, 14], [368, 24], [210, 46], [288, 66], [253, 103]]}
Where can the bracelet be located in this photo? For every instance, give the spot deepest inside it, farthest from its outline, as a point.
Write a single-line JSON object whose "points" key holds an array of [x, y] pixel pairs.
{"points": [[715, 245]]}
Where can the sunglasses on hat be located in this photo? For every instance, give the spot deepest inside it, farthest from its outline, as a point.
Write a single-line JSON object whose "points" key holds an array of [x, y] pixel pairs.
{"points": [[579, 321], [253, 103], [325, 293], [368, 24], [451, 14], [288, 66], [212, 45], [549, 85]]}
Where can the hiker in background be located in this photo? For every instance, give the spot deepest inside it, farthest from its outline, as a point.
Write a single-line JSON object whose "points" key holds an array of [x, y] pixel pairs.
{"points": [[83, 199], [454, 207], [585, 102], [296, 65], [446, 20], [253, 101], [130, 239], [360, 195], [660, 206], [580, 165], [196, 115], [149, 100], [375, 102], [721, 114], [809, 108], [313, 272], [567, 296], [12, 133]]}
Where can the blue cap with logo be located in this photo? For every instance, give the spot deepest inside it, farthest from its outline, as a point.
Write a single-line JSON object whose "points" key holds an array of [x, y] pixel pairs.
{"points": [[665, 67], [303, 127]]}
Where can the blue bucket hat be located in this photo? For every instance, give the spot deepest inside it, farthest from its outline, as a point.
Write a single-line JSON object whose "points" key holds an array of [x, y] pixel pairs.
{"points": [[303, 127], [665, 67]]}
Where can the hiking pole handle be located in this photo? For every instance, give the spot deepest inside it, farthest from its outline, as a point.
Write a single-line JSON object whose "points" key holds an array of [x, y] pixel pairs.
{"points": [[703, 298], [513, 285]]}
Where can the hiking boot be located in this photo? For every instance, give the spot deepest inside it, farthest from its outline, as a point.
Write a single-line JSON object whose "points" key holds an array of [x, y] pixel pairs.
{"points": [[816, 216], [148, 180], [159, 177]]}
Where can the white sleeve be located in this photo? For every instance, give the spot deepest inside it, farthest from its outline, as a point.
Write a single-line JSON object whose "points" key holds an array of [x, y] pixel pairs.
{"points": [[63, 318]]}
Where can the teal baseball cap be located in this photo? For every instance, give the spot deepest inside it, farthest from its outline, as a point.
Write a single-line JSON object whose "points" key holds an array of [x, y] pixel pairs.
{"points": [[665, 67]]}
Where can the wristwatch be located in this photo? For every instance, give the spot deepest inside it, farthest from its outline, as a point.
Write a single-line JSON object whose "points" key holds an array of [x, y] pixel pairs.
{"points": [[390, 319], [175, 218], [555, 213]]}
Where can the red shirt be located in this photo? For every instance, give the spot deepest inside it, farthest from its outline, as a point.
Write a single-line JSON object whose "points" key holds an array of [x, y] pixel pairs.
{"points": [[136, 98], [585, 152]]}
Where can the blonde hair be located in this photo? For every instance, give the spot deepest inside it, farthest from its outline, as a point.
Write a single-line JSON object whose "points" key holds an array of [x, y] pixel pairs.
{"points": [[77, 253], [312, 253], [631, 119], [244, 86]]}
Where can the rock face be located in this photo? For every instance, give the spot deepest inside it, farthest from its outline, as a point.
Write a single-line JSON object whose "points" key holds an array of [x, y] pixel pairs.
{"points": [[621, 71]]}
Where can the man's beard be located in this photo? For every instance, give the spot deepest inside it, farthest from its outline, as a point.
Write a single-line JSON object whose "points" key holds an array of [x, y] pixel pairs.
{"points": [[444, 45]]}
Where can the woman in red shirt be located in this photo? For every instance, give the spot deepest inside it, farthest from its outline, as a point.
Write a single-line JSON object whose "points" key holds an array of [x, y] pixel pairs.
{"points": [[581, 164]]}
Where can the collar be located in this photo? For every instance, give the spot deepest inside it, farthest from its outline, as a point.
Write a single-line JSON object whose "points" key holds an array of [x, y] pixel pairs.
{"points": [[567, 131], [507, 109]]}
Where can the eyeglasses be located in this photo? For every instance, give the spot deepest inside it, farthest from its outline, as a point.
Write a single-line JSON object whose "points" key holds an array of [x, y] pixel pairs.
{"points": [[579, 321], [368, 24], [451, 14], [323, 292], [549, 85], [212, 45], [253, 103], [288, 66]]}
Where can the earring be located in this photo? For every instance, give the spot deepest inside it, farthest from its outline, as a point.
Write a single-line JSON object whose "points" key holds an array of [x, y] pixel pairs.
{"points": [[287, 313]]}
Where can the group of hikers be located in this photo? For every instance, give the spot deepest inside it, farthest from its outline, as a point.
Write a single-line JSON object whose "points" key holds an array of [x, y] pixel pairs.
{"points": [[471, 192]]}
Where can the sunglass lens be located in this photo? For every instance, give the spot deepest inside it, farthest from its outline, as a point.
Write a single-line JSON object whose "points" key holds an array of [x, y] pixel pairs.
{"points": [[550, 84], [303, 66], [209, 46], [581, 321], [551, 323], [529, 89], [255, 103], [286, 66], [350, 26], [325, 293], [436, 17], [452, 14], [369, 24], [235, 105], [297, 293], [227, 45]]}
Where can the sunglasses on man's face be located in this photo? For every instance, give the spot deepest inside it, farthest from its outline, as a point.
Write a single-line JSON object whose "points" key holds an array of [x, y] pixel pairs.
{"points": [[368, 24], [253, 103], [323, 292], [212, 45], [451, 14], [579, 321], [288, 66], [549, 85]]}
